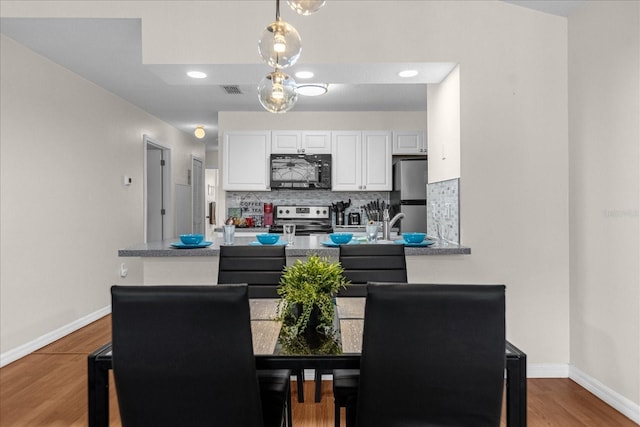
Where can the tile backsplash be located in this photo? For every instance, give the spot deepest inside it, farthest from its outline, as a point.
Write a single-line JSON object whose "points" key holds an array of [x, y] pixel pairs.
{"points": [[250, 203], [443, 207]]}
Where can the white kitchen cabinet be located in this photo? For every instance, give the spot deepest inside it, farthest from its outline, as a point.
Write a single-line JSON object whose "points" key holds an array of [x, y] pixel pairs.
{"points": [[409, 142], [245, 161], [361, 161], [301, 142]]}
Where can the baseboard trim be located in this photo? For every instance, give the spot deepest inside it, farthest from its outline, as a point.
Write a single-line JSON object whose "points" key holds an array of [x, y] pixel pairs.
{"points": [[28, 348], [620, 403], [547, 370]]}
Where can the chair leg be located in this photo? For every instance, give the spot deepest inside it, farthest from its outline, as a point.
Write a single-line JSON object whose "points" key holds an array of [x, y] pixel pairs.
{"points": [[351, 414], [336, 414], [318, 381], [300, 381], [289, 417]]}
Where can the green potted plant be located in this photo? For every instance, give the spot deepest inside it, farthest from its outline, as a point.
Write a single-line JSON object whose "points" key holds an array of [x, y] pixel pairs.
{"points": [[307, 289]]}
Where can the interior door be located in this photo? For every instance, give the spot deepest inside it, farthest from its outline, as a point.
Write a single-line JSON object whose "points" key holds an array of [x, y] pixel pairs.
{"points": [[197, 188], [154, 190]]}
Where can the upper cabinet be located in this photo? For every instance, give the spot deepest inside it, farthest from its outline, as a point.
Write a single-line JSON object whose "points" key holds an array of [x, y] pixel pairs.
{"points": [[361, 161], [301, 142], [245, 161], [409, 142]]}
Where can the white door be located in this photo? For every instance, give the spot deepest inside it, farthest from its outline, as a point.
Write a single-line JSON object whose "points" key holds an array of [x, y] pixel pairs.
{"points": [[154, 190], [197, 188]]}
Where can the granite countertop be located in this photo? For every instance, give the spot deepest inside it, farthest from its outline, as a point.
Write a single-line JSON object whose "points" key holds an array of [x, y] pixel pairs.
{"points": [[303, 246]]}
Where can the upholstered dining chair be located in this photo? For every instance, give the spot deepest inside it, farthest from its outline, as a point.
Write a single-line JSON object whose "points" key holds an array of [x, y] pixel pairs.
{"points": [[362, 264], [260, 267], [183, 356], [431, 355]]}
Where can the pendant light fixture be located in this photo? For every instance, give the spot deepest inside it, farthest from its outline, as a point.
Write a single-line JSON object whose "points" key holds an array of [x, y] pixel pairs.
{"points": [[280, 45], [306, 7], [277, 92]]}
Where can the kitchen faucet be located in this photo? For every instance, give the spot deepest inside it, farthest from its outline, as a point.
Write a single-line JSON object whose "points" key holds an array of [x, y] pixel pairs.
{"points": [[388, 223]]}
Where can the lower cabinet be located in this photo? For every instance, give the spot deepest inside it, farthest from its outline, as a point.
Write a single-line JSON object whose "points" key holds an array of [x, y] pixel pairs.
{"points": [[245, 161], [361, 161]]}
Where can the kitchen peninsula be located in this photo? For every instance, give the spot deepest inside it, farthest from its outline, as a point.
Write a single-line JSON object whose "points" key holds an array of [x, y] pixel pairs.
{"points": [[162, 264], [302, 247]]}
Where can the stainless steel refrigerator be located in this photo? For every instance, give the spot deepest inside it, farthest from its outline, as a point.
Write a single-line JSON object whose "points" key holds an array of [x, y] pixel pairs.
{"points": [[409, 194]]}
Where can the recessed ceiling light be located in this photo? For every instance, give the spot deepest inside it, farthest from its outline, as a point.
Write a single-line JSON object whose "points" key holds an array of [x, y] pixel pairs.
{"points": [[197, 74], [312, 89], [304, 74], [408, 73]]}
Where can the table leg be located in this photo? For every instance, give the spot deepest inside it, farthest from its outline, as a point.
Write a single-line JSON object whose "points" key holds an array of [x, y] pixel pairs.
{"points": [[98, 375], [517, 391]]}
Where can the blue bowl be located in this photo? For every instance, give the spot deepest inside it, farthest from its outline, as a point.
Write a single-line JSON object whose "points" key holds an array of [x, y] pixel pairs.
{"points": [[268, 239], [413, 237], [191, 239], [340, 238]]}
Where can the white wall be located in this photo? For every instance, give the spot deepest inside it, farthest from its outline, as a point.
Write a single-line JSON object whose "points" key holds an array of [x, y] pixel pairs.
{"points": [[604, 130], [65, 146], [513, 95], [443, 130], [513, 130]]}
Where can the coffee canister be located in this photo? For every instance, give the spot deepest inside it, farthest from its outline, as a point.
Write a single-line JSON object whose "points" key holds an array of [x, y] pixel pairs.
{"points": [[268, 214]]}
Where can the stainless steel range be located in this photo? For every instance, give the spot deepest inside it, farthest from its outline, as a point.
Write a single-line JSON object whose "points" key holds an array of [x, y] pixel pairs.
{"points": [[308, 219]]}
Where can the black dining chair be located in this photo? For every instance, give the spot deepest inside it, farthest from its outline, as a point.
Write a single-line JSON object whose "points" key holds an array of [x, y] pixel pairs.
{"points": [[260, 267], [372, 262], [183, 356], [431, 355], [362, 264]]}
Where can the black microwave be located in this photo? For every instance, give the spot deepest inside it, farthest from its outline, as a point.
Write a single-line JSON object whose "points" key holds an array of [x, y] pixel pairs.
{"points": [[300, 171]]}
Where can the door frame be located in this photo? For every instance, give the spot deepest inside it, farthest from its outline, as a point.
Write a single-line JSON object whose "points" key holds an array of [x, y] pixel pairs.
{"points": [[166, 187]]}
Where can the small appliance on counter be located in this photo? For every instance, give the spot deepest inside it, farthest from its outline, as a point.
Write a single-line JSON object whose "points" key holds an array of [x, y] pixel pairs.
{"points": [[354, 218], [308, 219], [338, 210]]}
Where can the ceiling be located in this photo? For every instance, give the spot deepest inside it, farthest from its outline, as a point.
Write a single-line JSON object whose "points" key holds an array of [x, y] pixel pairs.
{"points": [[108, 52]]}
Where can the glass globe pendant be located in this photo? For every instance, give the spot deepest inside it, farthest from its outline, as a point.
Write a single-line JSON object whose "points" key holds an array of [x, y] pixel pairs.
{"points": [[306, 7], [277, 92], [280, 45]]}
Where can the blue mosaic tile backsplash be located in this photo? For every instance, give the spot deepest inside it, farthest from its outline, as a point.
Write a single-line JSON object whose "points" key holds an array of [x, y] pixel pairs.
{"points": [[443, 207]]}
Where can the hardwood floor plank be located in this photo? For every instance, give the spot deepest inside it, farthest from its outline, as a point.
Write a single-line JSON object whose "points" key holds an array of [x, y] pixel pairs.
{"points": [[49, 389]]}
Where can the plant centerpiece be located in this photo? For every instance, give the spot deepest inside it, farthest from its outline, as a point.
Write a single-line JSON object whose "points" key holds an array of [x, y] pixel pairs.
{"points": [[307, 289]]}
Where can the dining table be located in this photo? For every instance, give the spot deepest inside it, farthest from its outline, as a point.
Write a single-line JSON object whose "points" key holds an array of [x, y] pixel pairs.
{"points": [[270, 353]]}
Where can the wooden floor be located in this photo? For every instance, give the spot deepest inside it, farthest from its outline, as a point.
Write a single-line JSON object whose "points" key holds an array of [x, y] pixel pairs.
{"points": [[49, 388]]}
